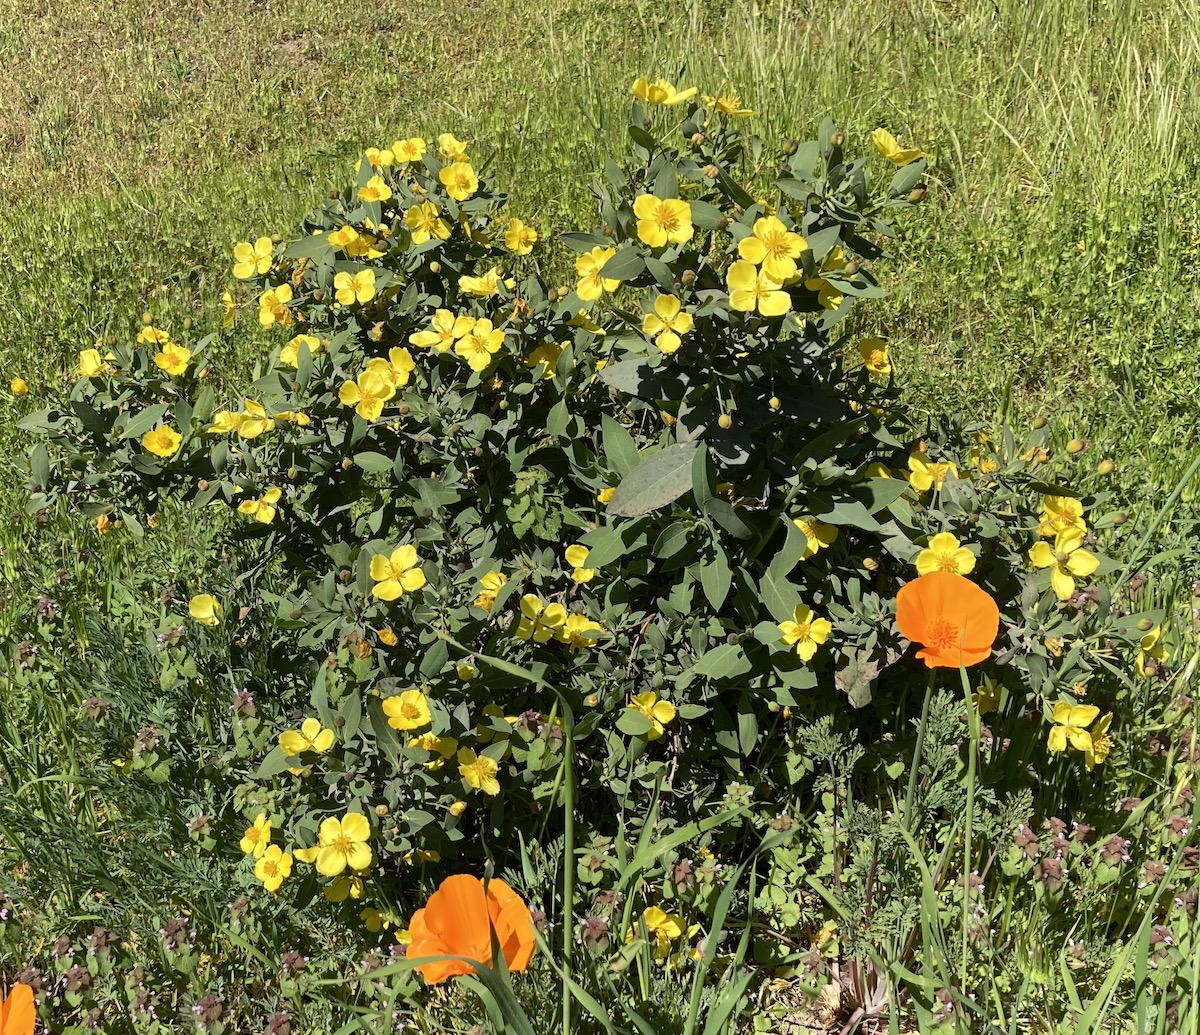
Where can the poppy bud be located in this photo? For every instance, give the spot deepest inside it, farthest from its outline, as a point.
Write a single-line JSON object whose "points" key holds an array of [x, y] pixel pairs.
{"points": [[318, 295], [455, 428], [296, 614], [276, 239], [851, 269], [870, 563], [725, 421], [552, 295], [295, 386], [381, 810], [479, 450], [147, 319], [1105, 467], [347, 463], [1039, 423], [345, 575], [772, 706], [591, 700], [723, 223], [331, 194]]}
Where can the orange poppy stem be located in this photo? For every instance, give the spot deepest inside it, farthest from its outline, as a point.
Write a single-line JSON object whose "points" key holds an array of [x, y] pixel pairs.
{"points": [[917, 752]]}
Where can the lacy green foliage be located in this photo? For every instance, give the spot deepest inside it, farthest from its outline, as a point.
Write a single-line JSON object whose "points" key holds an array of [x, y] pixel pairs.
{"points": [[512, 534]]}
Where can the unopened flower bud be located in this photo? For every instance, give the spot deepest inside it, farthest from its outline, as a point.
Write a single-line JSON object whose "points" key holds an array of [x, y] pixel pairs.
{"points": [[347, 463], [712, 172], [838, 139], [723, 223], [147, 319], [435, 267], [917, 195], [1105, 467], [381, 810], [318, 295], [331, 194], [697, 139], [1076, 445], [725, 421], [276, 239], [791, 147], [591, 700], [202, 484], [344, 576], [1146, 624], [774, 402], [870, 563], [552, 295], [687, 278], [1039, 423], [292, 474], [1120, 517]]}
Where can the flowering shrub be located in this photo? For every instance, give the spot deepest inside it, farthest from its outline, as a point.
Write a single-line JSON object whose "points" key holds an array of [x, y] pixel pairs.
{"points": [[632, 541]]}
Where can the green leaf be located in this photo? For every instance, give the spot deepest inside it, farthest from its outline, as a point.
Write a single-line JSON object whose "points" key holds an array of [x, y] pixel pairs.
{"points": [[659, 479], [907, 177], [716, 577], [584, 242], [373, 463], [722, 662], [705, 216], [275, 763], [633, 722], [625, 265], [91, 420], [780, 596], [310, 247], [144, 421], [620, 450]]}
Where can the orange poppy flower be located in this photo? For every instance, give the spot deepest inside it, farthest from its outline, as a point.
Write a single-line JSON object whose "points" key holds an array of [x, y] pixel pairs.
{"points": [[943, 610], [17, 1012], [456, 922]]}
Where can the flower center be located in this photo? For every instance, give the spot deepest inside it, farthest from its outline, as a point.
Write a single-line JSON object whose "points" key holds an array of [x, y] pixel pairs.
{"points": [[946, 562], [775, 242], [802, 631], [271, 869], [943, 634], [342, 844]]}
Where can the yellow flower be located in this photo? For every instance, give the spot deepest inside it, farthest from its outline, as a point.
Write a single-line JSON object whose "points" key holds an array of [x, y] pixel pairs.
{"points": [[773, 247], [924, 474], [451, 148], [257, 837], [150, 335], [253, 420], [750, 290], [605, 495], [1067, 561], [889, 148], [343, 238], [479, 345], [310, 737], [583, 319], [262, 509], [805, 631], [387, 637], [1060, 513], [663, 928], [1151, 648], [205, 609], [343, 843], [289, 355], [444, 747], [457, 808], [424, 221], [228, 309], [250, 259], [519, 237], [874, 352], [945, 553], [577, 558], [987, 696], [162, 441], [410, 150], [544, 359], [19, 386], [445, 330], [667, 324], [828, 297], [492, 583], [341, 887], [225, 422], [580, 632], [459, 179], [398, 574], [818, 534], [660, 92], [379, 159], [103, 524], [658, 712], [465, 671], [539, 620], [173, 359], [662, 220], [1070, 724], [1101, 742], [401, 366], [91, 364], [375, 386], [479, 771], [374, 190], [480, 287], [272, 867], [727, 104], [359, 287], [591, 284], [407, 711], [273, 306]]}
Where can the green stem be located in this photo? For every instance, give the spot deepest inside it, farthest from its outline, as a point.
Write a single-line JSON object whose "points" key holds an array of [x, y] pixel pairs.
{"points": [[916, 762], [568, 927], [972, 755]]}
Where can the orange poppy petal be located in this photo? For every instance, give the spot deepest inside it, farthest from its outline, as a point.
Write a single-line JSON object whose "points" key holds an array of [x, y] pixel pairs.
{"points": [[932, 606], [514, 931], [457, 914], [18, 1013]]}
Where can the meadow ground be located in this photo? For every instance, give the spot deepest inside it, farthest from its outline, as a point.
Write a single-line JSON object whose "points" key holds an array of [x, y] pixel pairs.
{"points": [[1053, 270]]}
